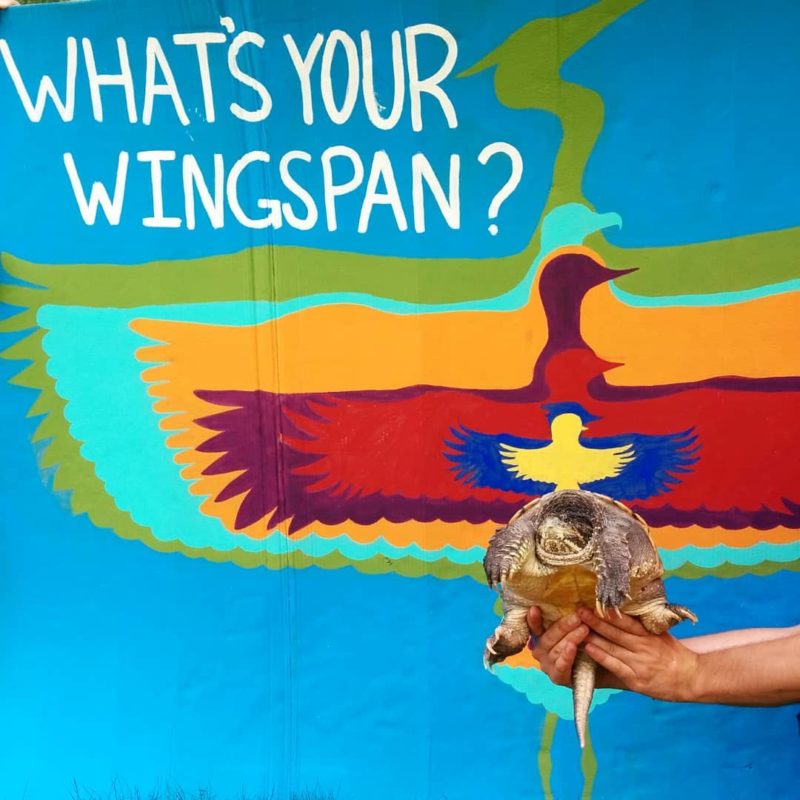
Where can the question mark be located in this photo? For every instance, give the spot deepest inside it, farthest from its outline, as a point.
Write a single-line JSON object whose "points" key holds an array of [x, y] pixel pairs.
{"points": [[513, 180]]}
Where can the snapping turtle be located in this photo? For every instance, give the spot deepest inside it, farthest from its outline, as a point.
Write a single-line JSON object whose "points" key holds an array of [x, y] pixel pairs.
{"points": [[572, 548]]}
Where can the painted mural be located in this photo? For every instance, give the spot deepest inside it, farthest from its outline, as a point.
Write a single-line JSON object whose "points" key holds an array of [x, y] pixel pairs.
{"points": [[560, 252]]}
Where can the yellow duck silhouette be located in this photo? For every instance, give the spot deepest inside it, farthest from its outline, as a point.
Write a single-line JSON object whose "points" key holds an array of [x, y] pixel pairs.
{"points": [[565, 461]]}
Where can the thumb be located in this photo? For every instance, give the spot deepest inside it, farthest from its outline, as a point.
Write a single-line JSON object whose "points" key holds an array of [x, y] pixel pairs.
{"points": [[535, 622]]}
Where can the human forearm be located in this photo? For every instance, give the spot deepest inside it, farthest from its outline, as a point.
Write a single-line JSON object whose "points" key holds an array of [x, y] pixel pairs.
{"points": [[736, 638], [761, 673], [758, 674], [755, 666]]}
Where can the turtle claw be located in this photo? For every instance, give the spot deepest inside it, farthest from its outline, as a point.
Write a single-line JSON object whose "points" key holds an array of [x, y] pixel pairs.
{"points": [[490, 655], [683, 613], [611, 596], [504, 642], [600, 609]]}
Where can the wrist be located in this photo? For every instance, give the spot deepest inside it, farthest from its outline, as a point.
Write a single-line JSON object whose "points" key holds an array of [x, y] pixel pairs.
{"points": [[692, 681]]}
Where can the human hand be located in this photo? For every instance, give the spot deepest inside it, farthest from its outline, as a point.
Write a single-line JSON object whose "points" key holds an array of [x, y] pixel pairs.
{"points": [[8, 3], [555, 648], [657, 666]]}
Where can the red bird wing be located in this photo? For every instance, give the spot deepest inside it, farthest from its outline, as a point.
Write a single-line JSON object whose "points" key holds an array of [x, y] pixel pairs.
{"points": [[365, 457], [745, 474]]}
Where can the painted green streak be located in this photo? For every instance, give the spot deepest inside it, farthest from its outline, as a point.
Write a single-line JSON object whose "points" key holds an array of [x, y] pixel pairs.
{"points": [[262, 273], [764, 569], [528, 76], [588, 767], [282, 273], [528, 66], [727, 265], [73, 472], [544, 759]]}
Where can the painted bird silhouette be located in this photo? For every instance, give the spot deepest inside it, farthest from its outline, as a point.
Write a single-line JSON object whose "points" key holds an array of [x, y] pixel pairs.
{"points": [[681, 453], [566, 462], [629, 465]]}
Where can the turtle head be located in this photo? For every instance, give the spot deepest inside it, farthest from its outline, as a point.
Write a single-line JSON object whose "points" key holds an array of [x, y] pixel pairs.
{"points": [[565, 531]]}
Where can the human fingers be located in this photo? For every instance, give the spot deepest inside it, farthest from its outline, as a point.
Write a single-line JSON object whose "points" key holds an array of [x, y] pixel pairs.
{"points": [[556, 661], [561, 670], [621, 629], [8, 3], [612, 648], [610, 662], [535, 622], [571, 640], [558, 630]]}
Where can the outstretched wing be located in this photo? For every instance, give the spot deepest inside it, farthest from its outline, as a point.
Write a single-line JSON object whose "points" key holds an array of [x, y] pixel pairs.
{"points": [[592, 463], [332, 458], [480, 460], [744, 473], [654, 464]]}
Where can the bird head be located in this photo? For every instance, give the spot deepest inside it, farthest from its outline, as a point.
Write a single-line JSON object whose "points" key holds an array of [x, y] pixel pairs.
{"points": [[568, 373], [567, 420], [566, 426]]}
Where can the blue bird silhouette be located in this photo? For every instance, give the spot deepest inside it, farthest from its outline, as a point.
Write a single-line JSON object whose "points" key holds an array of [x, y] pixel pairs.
{"points": [[630, 466]]}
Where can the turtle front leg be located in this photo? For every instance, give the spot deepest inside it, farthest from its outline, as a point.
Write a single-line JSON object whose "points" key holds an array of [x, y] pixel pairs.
{"points": [[511, 635], [507, 551], [612, 566]]}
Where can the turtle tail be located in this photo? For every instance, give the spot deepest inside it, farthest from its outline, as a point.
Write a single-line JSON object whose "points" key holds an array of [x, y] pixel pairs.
{"points": [[583, 675]]}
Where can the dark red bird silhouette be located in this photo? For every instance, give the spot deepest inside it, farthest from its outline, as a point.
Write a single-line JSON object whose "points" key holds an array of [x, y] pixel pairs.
{"points": [[711, 453]]}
